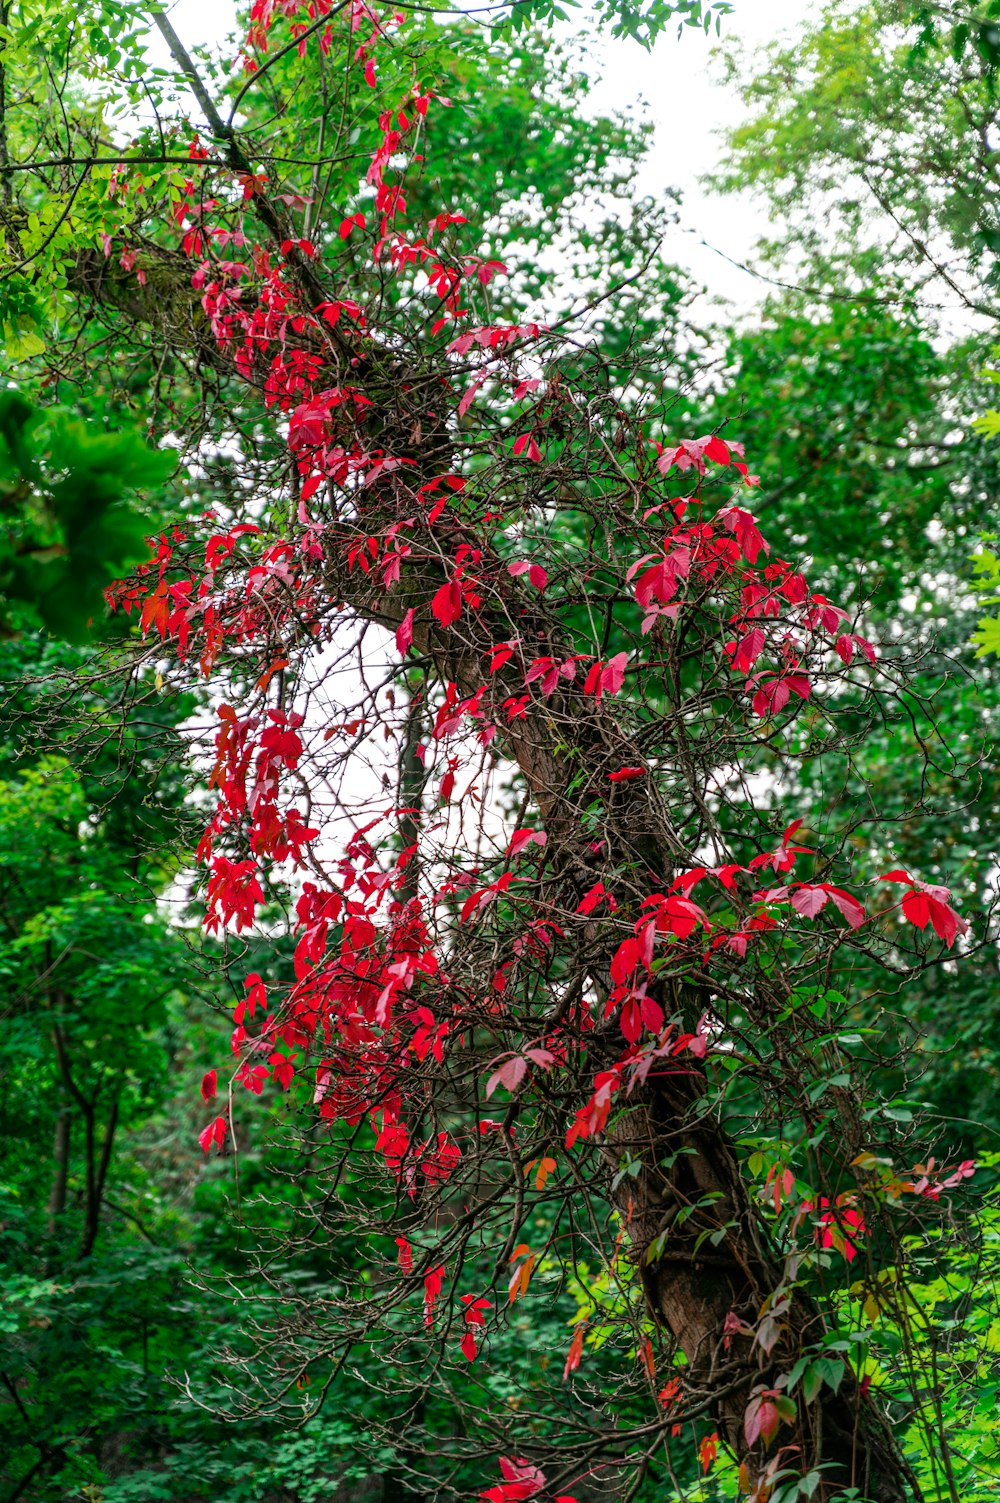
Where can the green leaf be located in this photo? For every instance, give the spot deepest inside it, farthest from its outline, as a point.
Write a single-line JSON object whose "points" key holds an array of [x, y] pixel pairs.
{"points": [[21, 340], [988, 424], [986, 637]]}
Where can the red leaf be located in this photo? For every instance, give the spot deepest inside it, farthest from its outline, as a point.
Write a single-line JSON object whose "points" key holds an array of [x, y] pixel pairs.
{"points": [[926, 903], [613, 675], [575, 1351], [652, 1014], [625, 961], [947, 923], [521, 1480], [844, 646], [809, 901], [626, 774], [606, 678], [468, 396], [916, 908], [631, 1021], [469, 1349], [849, 906], [447, 603], [761, 1419], [404, 632], [499, 655], [208, 1085], [536, 574], [592, 897], [526, 445], [523, 838], [215, 1132], [509, 1075], [748, 650], [432, 1288], [544, 1058]]}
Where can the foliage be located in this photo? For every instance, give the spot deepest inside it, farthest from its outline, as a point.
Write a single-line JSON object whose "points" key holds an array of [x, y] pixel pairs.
{"points": [[639, 20], [870, 139], [68, 528], [573, 903], [987, 565]]}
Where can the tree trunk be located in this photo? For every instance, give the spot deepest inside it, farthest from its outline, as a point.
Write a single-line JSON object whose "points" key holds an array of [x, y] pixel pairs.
{"points": [[60, 1173], [97, 1173], [702, 1292]]}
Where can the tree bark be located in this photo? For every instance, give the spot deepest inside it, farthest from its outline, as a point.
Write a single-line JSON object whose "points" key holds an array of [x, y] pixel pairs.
{"points": [[696, 1288], [60, 1173]]}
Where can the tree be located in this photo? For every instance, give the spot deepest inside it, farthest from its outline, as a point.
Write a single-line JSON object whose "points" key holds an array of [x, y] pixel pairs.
{"points": [[68, 530], [586, 625], [870, 135], [872, 138]]}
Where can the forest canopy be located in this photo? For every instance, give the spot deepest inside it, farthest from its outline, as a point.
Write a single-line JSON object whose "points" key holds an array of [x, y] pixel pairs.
{"points": [[498, 859]]}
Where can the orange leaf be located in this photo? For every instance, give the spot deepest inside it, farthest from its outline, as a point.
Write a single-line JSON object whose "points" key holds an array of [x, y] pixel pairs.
{"points": [[521, 1276], [575, 1351], [545, 1168], [269, 673]]}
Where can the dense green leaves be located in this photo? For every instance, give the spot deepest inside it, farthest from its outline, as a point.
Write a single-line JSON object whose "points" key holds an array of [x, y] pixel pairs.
{"points": [[68, 521]]}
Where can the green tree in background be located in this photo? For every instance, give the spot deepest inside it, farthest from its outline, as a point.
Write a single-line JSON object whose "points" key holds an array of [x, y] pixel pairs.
{"points": [[67, 528]]}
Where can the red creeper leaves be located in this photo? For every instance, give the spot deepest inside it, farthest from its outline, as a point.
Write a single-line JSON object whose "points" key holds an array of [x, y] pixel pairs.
{"points": [[925, 903], [447, 603], [472, 1317], [215, 1133], [432, 1289], [606, 678], [527, 446], [521, 1480], [575, 1352], [522, 839], [536, 574], [404, 632]]}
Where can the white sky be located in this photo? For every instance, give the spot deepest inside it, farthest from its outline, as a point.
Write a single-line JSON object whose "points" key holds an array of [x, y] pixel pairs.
{"points": [[676, 83], [690, 109]]}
